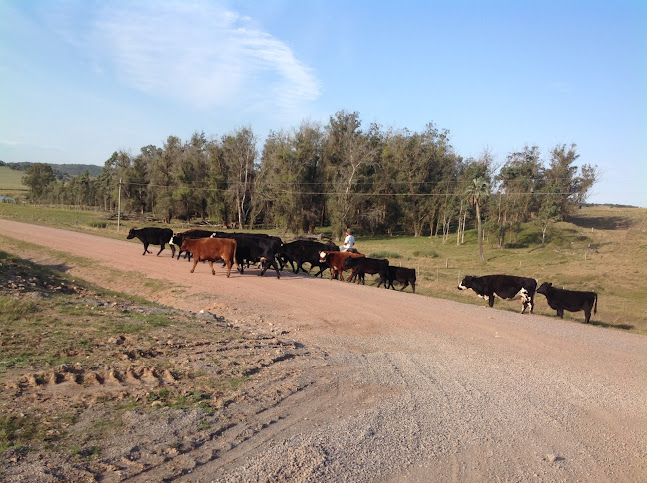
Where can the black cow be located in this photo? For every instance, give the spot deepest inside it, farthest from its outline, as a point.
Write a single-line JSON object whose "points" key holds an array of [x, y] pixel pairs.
{"points": [[195, 233], [301, 251], [403, 275], [152, 235], [571, 300], [363, 265], [504, 286], [255, 248]]}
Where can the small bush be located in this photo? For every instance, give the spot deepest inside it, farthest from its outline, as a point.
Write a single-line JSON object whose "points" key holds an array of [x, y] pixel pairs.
{"points": [[385, 254], [17, 431], [425, 254]]}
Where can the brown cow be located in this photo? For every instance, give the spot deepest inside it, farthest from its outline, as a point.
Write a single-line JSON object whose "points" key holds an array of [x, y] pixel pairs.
{"points": [[211, 250], [335, 261]]}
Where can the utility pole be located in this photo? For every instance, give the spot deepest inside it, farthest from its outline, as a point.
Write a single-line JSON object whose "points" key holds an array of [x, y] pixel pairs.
{"points": [[119, 206]]}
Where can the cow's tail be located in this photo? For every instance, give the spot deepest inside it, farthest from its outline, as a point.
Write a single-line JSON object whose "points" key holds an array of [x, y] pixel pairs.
{"points": [[235, 248], [595, 307]]}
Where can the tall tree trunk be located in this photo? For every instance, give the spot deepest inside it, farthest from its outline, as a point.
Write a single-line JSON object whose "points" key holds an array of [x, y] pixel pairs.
{"points": [[480, 231]]}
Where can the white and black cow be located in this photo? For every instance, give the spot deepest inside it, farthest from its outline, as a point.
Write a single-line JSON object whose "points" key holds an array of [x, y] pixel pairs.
{"points": [[152, 235], [572, 300], [504, 286]]}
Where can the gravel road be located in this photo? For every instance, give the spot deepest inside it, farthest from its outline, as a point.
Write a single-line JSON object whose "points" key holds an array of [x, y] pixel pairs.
{"points": [[409, 388]]}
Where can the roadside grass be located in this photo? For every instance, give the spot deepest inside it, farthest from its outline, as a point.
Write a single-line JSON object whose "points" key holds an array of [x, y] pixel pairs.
{"points": [[50, 320], [601, 248], [20, 430]]}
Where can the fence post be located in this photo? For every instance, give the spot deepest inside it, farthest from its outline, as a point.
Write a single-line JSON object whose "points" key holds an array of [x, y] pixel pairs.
{"points": [[119, 207]]}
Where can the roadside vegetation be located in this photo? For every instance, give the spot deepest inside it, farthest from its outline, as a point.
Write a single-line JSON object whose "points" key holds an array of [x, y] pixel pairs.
{"points": [[76, 359]]}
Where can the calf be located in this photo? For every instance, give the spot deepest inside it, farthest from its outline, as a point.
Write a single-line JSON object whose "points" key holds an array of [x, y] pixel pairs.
{"points": [[211, 250], [571, 300], [334, 260], [255, 248], [403, 275], [364, 265], [504, 286], [195, 233], [301, 251], [152, 235]]}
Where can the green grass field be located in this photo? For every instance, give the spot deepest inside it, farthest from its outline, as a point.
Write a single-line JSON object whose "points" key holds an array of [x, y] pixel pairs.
{"points": [[601, 248], [11, 183]]}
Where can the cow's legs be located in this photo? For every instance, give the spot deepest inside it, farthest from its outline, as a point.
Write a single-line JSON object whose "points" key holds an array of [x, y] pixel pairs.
{"points": [[413, 287], [146, 249], [560, 313], [266, 264], [320, 272], [210, 262], [172, 251], [195, 262], [587, 313], [161, 248], [491, 300], [383, 279], [406, 284]]}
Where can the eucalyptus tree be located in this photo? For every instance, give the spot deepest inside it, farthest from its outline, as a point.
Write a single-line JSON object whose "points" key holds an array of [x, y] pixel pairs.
{"points": [[191, 173], [218, 203], [239, 154], [288, 184], [407, 169], [348, 154], [136, 177], [518, 180], [38, 177], [276, 185], [563, 190], [162, 178], [308, 142]]}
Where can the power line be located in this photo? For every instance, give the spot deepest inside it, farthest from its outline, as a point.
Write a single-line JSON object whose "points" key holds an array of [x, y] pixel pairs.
{"points": [[355, 193]]}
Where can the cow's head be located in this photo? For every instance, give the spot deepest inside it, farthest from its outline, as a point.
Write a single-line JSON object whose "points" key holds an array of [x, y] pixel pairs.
{"points": [[322, 256], [176, 240], [544, 288], [466, 283], [131, 234]]}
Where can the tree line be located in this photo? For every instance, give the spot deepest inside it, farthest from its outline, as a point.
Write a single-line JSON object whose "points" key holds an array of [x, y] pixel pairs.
{"points": [[374, 179]]}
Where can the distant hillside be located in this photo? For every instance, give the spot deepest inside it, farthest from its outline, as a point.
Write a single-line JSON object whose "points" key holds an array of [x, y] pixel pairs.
{"points": [[62, 171]]}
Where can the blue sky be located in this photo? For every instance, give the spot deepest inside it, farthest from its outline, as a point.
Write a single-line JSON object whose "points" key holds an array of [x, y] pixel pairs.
{"points": [[80, 79]]}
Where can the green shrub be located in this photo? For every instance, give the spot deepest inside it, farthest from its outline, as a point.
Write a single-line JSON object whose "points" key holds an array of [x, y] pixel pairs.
{"points": [[385, 254], [425, 254], [15, 309]]}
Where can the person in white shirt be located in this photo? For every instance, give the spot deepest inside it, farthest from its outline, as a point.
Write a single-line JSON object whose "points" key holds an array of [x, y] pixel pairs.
{"points": [[349, 241]]}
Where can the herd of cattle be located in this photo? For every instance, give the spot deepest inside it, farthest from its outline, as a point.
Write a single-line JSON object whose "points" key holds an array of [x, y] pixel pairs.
{"points": [[244, 249]]}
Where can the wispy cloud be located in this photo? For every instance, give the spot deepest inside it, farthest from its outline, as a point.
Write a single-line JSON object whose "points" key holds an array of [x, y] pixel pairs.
{"points": [[197, 52]]}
